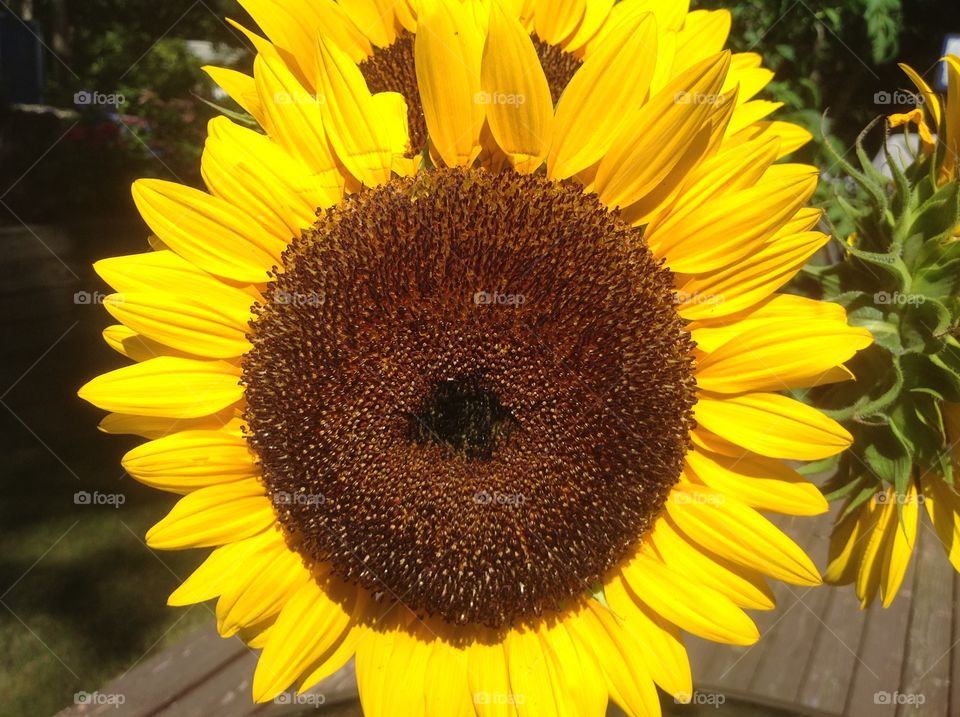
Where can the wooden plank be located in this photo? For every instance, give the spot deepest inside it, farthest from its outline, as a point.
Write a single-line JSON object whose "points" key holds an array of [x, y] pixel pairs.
{"points": [[829, 669], [153, 683], [792, 640], [880, 653], [924, 685]]}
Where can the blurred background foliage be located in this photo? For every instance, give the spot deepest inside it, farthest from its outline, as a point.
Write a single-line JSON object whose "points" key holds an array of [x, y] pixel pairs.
{"points": [[831, 59]]}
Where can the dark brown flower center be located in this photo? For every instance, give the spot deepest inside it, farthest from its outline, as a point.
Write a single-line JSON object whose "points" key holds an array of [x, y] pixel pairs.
{"points": [[470, 392], [558, 66], [392, 69]]}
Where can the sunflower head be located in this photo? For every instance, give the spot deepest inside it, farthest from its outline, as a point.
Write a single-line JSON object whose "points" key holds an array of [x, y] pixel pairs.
{"points": [[897, 277], [468, 362]]}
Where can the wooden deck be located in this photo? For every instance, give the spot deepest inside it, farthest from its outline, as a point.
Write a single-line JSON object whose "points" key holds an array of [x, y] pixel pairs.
{"points": [[820, 655]]}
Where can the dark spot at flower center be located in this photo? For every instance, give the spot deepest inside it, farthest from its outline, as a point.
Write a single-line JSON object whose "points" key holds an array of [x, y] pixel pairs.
{"points": [[462, 416]]}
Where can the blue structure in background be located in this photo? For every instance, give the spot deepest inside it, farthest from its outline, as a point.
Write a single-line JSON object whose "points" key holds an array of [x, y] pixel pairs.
{"points": [[21, 61], [951, 46]]}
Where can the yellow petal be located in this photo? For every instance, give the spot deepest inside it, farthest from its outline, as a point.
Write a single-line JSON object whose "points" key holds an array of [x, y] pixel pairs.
{"points": [[293, 119], [930, 100], [772, 425], [369, 16], [217, 572], [771, 358], [711, 334], [744, 587], [943, 505], [489, 681], [187, 460], [762, 483], [214, 515], [616, 649], [555, 20], [728, 227], [161, 270], [167, 386], [745, 284], [448, 696], [871, 564], [532, 674], [207, 231], [250, 170], [309, 630], [847, 544], [384, 650], [658, 643], [359, 134], [792, 137], [594, 15], [575, 667], [129, 343], [272, 579], [197, 325], [900, 545], [241, 89], [600, 99], [690, 605], [519, 109], [448, 51], [750, 112], [951, 120], [157, 427], [650, 146], [704, 33], [735, 531]]}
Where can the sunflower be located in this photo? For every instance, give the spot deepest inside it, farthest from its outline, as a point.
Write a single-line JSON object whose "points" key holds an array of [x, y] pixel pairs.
{"points": [[380, 37], [499, 421], [913, 366]]}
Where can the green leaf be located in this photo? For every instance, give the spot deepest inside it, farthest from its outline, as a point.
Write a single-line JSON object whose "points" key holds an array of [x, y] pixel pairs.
{"points": [[241, 117], [890, 262]]}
